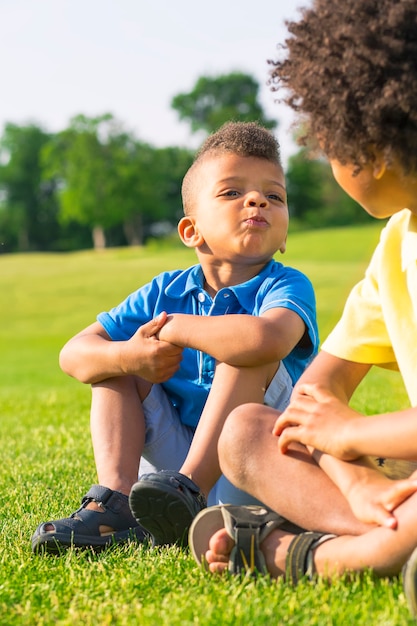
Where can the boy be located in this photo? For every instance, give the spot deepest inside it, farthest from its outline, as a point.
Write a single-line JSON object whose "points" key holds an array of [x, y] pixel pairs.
{"points": [[189, 347], [351, 72]]}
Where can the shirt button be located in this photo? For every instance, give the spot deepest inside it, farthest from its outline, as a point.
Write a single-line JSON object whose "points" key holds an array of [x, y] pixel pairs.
{"points": [[201, 297]]}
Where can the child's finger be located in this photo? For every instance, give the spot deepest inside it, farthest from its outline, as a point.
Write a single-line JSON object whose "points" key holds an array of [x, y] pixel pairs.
{"points": [[401, 491]]}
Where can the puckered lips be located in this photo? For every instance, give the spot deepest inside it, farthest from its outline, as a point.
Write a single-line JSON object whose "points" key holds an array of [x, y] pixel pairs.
{"points": [[256, 221]]}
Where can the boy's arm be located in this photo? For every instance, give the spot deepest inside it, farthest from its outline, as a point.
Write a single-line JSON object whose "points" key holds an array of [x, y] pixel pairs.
{"points": [[91, 356], [239, 340]]}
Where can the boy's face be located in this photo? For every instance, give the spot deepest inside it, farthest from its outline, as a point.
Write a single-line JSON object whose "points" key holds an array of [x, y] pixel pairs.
{"points": [[240, 208]]}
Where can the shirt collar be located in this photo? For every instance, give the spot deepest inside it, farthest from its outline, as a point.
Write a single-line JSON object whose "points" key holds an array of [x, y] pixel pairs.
{"points": [[192, 279], [189, 280]]}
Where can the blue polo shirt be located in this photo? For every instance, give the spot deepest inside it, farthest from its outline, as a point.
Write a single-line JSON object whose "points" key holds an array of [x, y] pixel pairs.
{"points": [[182, 291]]}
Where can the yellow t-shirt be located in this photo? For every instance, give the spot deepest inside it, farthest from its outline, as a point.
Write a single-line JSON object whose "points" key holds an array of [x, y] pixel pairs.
{"points": [[379, 321]]}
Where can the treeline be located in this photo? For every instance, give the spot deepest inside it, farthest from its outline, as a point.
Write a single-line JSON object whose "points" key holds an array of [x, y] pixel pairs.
{"points": [[95, 183]]}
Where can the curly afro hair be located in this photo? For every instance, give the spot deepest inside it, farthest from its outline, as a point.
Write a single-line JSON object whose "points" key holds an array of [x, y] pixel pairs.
{"points": [[246, 139], [350, 70]]}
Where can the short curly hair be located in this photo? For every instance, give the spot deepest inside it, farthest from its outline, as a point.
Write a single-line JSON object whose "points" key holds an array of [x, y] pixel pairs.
{"points": [[350, 70], [246, 139]]}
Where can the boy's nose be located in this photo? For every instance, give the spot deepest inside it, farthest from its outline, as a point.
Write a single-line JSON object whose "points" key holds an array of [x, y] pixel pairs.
{"points": [[257, 199]]}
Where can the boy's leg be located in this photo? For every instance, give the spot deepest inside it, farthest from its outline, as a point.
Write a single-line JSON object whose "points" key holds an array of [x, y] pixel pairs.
{"points": [[118, 432], [231, 387], [165, 503]]}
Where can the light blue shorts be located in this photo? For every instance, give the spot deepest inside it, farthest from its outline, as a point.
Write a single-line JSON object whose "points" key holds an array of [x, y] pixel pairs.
{"points": [[167, 439]]}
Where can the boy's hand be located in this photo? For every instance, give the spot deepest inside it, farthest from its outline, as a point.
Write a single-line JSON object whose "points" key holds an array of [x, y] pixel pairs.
{"points": [[317, 418], [146, 356]]}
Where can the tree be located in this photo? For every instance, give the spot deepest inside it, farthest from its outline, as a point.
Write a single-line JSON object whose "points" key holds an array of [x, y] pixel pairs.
{"points": [[315, 200], [149, 187], [28, 213], [108, 179], [216, 100], [80, 162]]}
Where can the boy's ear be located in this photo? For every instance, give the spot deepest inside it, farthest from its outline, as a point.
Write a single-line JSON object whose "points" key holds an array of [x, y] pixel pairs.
{"points": [[189, 233], [283, 247]]}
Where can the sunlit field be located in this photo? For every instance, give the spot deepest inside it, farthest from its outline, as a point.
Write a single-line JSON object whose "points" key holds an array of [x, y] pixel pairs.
{"points": [[47, 461]]}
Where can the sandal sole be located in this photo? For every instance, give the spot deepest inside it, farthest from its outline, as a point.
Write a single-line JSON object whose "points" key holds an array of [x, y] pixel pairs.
{"points": [[160, 510], [56, 543], [203, 527]]}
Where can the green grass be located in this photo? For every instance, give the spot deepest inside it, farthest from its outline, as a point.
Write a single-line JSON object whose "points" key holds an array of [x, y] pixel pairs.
{"points": [[47, 461]]}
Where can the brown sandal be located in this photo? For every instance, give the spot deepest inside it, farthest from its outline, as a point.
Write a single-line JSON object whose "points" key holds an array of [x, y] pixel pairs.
{"points": [[248, 526]]}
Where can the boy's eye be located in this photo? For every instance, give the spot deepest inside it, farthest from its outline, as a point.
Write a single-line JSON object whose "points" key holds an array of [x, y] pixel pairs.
{"points": [[231, 192], [275, 196]]}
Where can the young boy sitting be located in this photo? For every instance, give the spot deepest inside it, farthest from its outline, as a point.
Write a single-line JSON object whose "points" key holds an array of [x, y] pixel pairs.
{"points": [[351, 71], [169, 363]]}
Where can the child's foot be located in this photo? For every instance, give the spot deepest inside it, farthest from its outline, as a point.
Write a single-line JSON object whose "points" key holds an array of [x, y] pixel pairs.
{"points": [[242, 539], [273, 550]]}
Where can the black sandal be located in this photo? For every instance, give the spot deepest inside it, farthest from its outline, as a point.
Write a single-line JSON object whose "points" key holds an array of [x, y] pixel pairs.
{"points": [[248, 526], [82, 528], [165, 503]]}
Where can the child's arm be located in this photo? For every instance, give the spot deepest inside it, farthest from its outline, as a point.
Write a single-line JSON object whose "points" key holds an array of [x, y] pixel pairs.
{"points": [[319, 416], [238, 340], [322, 420], [372, 496], [91, 356]]}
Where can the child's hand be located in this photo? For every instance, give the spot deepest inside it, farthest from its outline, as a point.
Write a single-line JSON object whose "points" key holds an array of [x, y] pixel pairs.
{"points": [[373, 502], [317, 418], [146, 356]]}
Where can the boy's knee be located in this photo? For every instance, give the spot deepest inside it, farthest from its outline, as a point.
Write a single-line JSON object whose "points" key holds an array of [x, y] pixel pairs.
{"points": [[124, 384]]}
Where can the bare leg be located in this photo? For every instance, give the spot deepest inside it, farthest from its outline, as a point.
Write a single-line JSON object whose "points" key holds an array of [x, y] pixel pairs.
{"points": [[291, 484], [118, 430], [382, 549], [298, 489], [117, 427], [231, 387]]}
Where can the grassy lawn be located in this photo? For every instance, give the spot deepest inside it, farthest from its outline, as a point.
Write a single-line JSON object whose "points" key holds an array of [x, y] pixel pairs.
{"points": [[47, 462]]}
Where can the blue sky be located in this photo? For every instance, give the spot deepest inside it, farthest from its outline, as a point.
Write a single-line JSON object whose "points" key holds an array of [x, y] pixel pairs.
{"points": [[130, 57]]}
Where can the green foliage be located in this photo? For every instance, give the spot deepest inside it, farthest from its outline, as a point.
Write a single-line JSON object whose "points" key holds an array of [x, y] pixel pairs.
{"points": [[108, 178], [28, 210], [216, 100], [47, 460], [94, 180], [315, 199]]}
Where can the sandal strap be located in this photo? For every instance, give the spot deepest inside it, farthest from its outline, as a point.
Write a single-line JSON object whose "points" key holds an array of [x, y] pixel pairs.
{"points": [[115, 505], [101, 495], [181, 480], [299, 561], [249, 526], [82, 528]]}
